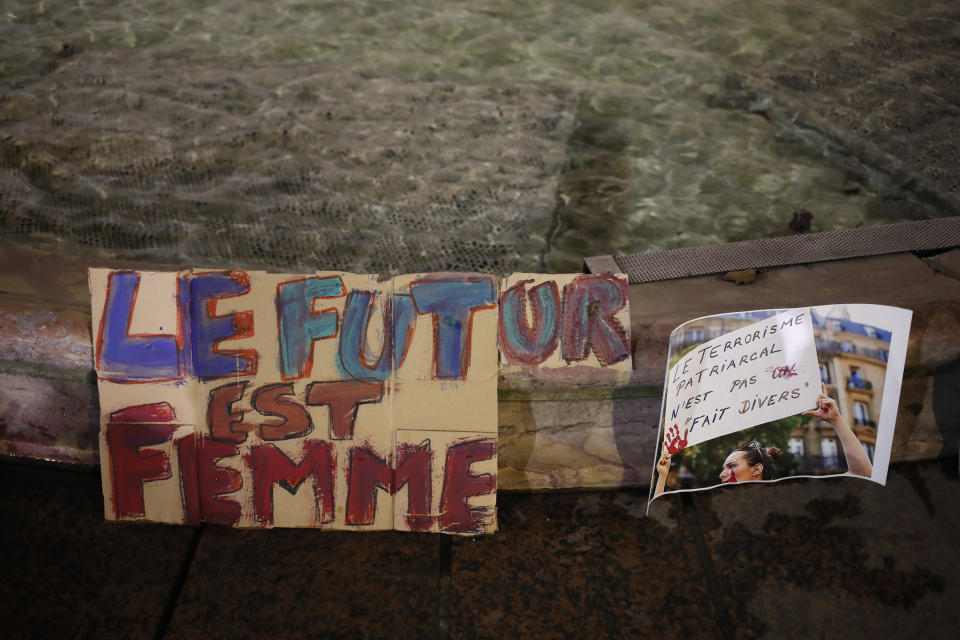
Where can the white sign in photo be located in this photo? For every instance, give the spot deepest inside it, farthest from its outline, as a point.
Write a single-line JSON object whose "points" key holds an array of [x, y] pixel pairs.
{"points": [[758, 373]]}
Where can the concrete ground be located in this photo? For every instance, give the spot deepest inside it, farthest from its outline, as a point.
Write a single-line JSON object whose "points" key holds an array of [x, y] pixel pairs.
{"points": [[834, 557]]}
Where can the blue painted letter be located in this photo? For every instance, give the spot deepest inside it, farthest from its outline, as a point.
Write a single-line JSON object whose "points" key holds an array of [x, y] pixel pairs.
{"points": [[399, 315], [452, 301], [300, 326], [122, 357], [208, 329], [520, 341]]}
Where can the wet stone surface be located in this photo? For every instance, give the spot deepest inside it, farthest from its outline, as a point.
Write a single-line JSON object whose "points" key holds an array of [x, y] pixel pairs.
{"points": [[68, 573], [931, 482], [579, 564], [801, 558], [304, 584], [835, 556]]}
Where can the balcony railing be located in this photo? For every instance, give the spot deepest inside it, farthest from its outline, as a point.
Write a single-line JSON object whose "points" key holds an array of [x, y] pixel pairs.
{"points": [[695, 336], [821, 463], [864, 423], [835, 346], [859, 383]]}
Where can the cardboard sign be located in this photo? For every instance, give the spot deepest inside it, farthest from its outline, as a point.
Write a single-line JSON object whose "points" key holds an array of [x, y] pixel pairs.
{"points": [[327, 400], [758, 373]]}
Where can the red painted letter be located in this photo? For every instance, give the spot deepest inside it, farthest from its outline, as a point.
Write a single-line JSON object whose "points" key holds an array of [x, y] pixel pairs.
{"points": [[414, 462], [272, 466], [204, 482], [277, 400], [369, 471], [223, 421], [343, 399], [133, 465], [459, 485], [589, 305]]}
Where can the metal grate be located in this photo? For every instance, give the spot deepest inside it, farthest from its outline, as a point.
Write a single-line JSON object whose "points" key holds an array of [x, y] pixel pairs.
{"points": [[291, 167], [901, 237]]}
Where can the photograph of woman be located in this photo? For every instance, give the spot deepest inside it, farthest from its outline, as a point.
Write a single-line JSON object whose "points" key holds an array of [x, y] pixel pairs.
{"points": [[843, 425], [751, 462]]}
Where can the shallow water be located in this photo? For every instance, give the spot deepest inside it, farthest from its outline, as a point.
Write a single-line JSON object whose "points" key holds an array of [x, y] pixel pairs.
{"points": [[651, 164]]}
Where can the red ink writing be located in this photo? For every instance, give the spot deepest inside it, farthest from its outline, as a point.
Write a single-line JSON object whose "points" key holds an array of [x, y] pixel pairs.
{"points": [[783, 372]]}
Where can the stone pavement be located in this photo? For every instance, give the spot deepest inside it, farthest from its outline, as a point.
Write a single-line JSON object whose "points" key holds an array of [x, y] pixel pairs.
{"points": [[835, 557]]}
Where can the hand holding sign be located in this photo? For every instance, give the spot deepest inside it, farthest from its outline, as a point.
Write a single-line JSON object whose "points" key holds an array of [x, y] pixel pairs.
{"points": [[663, 464], [672, 440], [672, 443], [663, 468]]}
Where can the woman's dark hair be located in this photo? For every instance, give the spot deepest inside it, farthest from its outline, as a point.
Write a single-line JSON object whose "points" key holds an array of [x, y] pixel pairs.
{"points": [[755, 454]]}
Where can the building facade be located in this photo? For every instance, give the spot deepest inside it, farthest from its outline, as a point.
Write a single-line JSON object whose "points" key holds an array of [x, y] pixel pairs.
{"points": [[853, 367]]}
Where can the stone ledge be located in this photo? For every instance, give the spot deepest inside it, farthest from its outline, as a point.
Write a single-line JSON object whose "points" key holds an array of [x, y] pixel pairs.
{"points": [[556, 431]]}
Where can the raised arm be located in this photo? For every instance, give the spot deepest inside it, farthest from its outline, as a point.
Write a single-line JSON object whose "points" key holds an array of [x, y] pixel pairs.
{"points": [[663, 468], [857, 460]]}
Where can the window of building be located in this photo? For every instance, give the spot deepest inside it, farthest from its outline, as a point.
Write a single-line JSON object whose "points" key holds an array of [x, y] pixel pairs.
{"points": [[795, 446], [870, 331], [868, 449], [825, 373], [846, 347], [861, 413], [828, 448], [856, 380]]}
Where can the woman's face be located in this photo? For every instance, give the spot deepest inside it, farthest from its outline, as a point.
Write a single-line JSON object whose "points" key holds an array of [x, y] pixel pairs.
{"points": [[737, 469]]}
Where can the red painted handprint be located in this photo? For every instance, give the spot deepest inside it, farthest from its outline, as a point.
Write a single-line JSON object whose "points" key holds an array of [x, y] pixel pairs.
{"points": [[674, 441]]}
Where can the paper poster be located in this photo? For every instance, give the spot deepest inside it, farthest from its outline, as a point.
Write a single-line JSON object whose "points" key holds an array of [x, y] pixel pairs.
{"points": [[769, 395], [757, 373]]}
